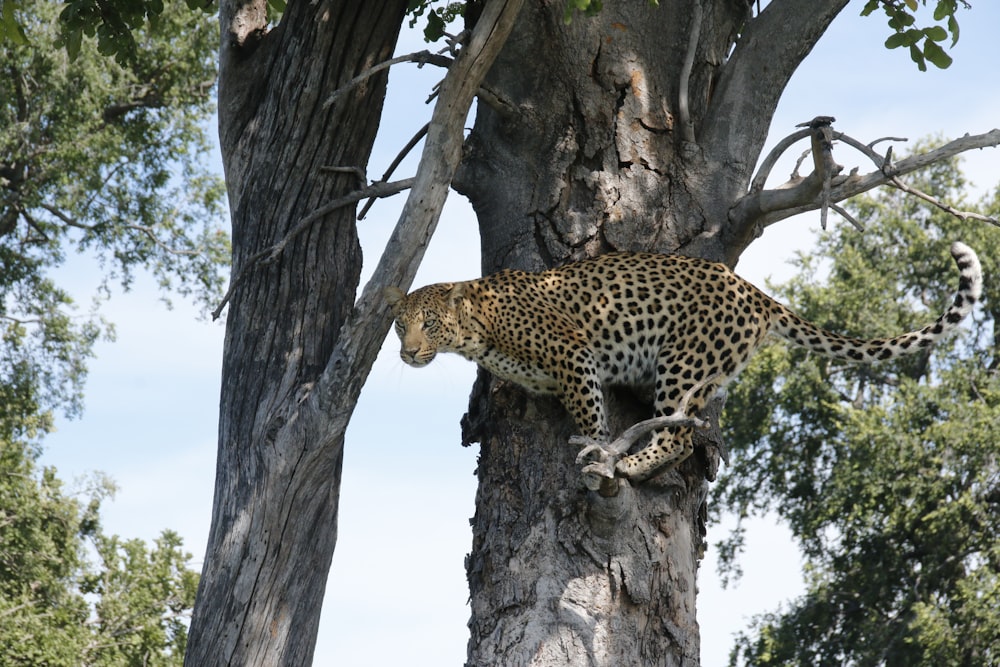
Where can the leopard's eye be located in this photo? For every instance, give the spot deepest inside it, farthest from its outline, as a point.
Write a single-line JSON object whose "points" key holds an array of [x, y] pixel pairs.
{"points": [[400, 329], [430, 322]]}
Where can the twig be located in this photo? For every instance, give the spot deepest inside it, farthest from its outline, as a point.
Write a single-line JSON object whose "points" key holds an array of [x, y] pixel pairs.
{"points": [[420, 57], [147, 231], [160, 244], [421, 133], [271, 253], [961, 215], [66, 219], [847, 216], [20, 321], [772, 158], [357, 171]]}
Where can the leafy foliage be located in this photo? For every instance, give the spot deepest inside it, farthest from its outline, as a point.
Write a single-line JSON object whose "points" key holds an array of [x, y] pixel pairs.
{"points": [[438, 18], [887, 475], [105, 159], [115, 24], [922, 43], [58, 609]]}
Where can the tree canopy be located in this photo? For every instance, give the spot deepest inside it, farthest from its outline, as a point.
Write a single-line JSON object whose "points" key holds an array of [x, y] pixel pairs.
{"points": [[108, 160], [71, 594], [288, 391], [105, 159], [888, 475]]}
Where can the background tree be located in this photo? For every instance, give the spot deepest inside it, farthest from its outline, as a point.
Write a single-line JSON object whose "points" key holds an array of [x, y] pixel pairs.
{"points": [[106, 159], [887, 476], [637, 129], [57, 606]]}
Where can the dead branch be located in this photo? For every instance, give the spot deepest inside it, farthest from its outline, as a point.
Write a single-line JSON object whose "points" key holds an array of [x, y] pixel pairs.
{"points": [[757, 184], [421, 133], [358, 173], [420, 57], [821, 137], [271, 253], [361, 337], [760, 208], [611, 452], [857, 224], [947, 208], [154, 239]]}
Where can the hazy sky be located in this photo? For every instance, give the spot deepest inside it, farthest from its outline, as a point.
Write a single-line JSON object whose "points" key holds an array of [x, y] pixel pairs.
{"points": [[397, 592]]}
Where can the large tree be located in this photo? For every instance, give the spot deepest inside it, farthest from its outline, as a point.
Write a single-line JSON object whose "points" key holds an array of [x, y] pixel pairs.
{"points": [[637, 128], [894, 465], [103, 158]]}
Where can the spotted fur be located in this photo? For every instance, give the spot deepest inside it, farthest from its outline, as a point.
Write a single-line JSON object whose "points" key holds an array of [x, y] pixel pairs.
{"points": [[674, 323]]}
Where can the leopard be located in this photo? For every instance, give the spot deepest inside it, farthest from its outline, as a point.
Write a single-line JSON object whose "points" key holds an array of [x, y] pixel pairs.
{"points": [[681, 325]]}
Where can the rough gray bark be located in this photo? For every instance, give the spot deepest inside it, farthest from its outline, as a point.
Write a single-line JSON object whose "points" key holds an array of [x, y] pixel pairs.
{"points": [[298, 348], [635, 130], [274, 521], [588, 150]]}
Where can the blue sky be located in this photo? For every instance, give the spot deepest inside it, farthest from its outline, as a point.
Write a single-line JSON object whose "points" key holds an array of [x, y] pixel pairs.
{"points": [[408, 487]]}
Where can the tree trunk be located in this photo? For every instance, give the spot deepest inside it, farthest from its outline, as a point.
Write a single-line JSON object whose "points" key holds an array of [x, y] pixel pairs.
{"points": [[634, 130], [274, 520]]}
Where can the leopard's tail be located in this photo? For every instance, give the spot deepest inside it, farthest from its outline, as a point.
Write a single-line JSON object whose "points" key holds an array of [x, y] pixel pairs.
{"points": [[805, 334]]}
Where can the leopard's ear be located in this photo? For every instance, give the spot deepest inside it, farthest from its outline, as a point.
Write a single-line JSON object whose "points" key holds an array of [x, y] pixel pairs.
{"points": [[393, 295], [456, 292]]}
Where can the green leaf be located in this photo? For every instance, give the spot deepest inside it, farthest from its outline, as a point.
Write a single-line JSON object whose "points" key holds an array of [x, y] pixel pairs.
{"points": [[74, 40], [435, 27], [917, 56], [953, 29], [944, 8], [870, 7], [895, 40], [936, 33], [12, 29], [936, 55]]}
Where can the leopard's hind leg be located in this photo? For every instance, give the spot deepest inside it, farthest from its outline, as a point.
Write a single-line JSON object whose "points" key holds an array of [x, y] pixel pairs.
{"points": [[681, 385]]}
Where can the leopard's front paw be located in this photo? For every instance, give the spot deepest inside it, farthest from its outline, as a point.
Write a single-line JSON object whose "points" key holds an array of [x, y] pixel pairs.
{"points": [[601, 463]]}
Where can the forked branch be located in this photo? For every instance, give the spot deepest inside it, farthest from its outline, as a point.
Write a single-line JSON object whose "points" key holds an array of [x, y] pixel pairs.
{"points": [[271, 253], [825, 186], [608, 454], [361, 337], [420, 57]]}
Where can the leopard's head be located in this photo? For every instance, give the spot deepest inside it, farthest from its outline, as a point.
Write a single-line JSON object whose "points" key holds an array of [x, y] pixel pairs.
{"points": [[426, 321]]}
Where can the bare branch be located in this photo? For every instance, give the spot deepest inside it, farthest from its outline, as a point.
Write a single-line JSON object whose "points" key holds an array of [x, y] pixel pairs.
{"points": [[610, 453], [151, 235], [421, 133], [420, 57], [821, 136], [271, 253], [361, 337], [71, 222], [847, 216], [358, 172], [767, 164], [16, 320], [947, 208], [853, 185], [760, 208]]}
